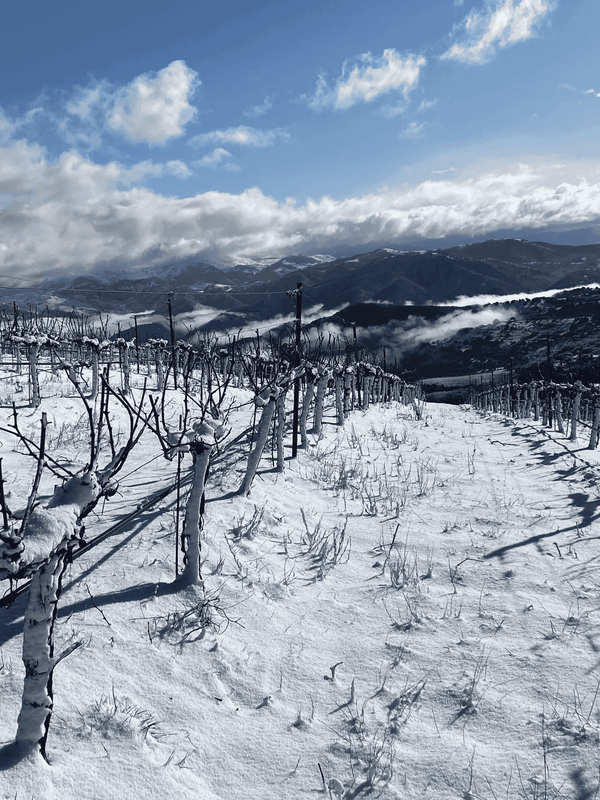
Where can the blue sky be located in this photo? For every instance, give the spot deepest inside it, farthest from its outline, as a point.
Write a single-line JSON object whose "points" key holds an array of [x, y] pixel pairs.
{"points": [[134, 131]]}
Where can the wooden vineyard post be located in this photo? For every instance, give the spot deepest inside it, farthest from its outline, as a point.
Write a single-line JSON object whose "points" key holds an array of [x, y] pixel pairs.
{"points": [[595, 423], [377, 386], [528, 400], [4, 507], [137, 343], [536, 402], [34, 349], [95, 372], [348, 386], [281, 428], [172, 333], [179, 457], [367, 383], [339, 405], [125, 363], [575, 412]]}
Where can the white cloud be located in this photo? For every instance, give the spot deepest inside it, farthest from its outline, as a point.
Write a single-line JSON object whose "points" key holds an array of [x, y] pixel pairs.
{"points": [[308, 315], [243, 134], [488, 299], [72, 213], [148, 169], [213, 159], [368, 80], [38, 121], [418, 331], [500, 24], [567, 86], [392, 111], [7, 127], [412, 131], [153, 109], [258, 111], [10, 126], [86, 100]]}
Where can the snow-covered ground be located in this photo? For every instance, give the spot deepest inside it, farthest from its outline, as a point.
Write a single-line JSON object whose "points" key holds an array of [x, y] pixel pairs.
{"points": [[409, 611]]}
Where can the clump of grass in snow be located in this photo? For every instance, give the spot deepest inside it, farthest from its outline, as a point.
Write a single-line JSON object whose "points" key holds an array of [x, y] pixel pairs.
{"points": [[368, 740], [113, 717], [575, 717], [405, 621], [190, 623], [248, 530], [326, 548], [404, 569], [68, 434], [470, 695]]}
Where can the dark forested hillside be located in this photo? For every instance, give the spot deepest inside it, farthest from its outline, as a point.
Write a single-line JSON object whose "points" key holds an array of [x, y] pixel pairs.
{"points": [[441, 341]]}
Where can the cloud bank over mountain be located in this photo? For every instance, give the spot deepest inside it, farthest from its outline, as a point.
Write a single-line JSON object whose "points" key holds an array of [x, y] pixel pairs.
{"points": [[72, 213]]}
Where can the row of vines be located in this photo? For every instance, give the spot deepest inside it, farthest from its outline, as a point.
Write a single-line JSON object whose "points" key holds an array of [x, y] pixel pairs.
{"points": [[566, 408]]}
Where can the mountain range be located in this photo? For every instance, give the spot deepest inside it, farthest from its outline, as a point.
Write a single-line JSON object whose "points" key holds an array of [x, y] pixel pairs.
{"points": [[496, 267]]}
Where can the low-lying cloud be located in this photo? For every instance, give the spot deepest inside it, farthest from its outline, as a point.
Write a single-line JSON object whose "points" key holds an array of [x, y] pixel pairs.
{"points": [[422, 331], [189, 321], [486, 299], [401, 336]]}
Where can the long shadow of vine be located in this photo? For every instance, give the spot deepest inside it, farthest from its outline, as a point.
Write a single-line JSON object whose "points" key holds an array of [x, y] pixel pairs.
{"points": [[586, 508], [588, 511], [12, 616]]}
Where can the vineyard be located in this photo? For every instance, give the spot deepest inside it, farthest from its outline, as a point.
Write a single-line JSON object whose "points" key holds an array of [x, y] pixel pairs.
{"points": [[268, 571]]}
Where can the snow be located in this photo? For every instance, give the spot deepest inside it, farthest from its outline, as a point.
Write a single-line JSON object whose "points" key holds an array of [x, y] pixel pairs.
{"points": [[447, 566]]}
